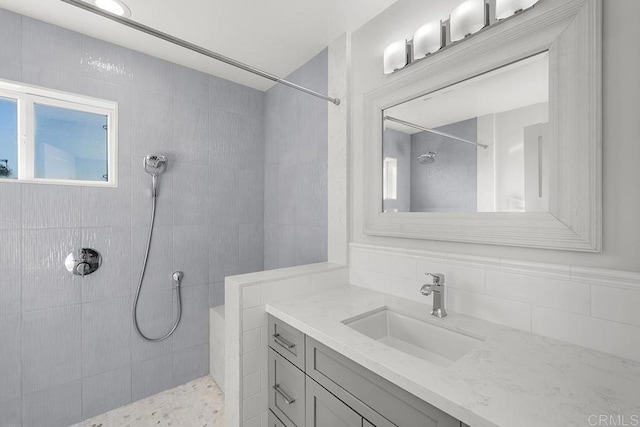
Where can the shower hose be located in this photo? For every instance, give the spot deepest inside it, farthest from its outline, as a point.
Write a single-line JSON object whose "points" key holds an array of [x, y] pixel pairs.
{"points": [[177, 279]]}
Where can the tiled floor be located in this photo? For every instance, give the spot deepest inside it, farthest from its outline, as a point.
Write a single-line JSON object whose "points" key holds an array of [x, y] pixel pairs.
{"points": [[199, 403]]}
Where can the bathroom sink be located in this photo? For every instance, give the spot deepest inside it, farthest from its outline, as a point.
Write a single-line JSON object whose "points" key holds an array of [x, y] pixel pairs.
{"points": [[411, 335]]}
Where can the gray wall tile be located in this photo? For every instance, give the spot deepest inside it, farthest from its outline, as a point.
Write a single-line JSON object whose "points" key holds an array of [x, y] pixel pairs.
{"points": [[11, 413], [190, 363], [156, 315], [10, 363], [50, 206], [11, 211], [271, 246], [191, 132], [11, 48], [191, 254], [216, 294], [152, 74], [51, 348], [191, 86], [45, 280], [153, 123], [251, 248], [251, 144], [106, 335], [295, 187], [271, 196], [62, 50], [113, 278], [11, 267], [224, 149], [223, 252], [58, 406], [251, 196], [109, 207], [228, 96], [76, 334], [158, 273], [190, 195], [105, 61], [151, 376], [107, 391], [194, 326]]}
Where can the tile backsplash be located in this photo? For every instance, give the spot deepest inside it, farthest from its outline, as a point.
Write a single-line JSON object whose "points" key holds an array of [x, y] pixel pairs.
{"points": [[594, 308]]}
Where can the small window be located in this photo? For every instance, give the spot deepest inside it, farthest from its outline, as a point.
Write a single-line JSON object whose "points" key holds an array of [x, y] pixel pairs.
{"points": [[54, 137]]}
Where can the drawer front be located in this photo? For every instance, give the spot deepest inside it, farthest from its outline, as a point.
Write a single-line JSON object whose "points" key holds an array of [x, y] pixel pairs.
{"points": [[341, 375], [274, 421], [287, 341], [326, 410], [286, 390]]}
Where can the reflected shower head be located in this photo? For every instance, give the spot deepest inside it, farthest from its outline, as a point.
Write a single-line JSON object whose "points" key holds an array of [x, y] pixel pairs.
{"points": [[427, 159], [155, 165]]}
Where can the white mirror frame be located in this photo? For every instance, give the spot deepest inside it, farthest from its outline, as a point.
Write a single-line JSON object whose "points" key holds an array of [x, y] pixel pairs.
{"points": [[574, 221]]}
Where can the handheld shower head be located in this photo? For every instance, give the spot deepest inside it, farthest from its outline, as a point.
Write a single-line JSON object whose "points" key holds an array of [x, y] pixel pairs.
{"points": [[155, 165]]}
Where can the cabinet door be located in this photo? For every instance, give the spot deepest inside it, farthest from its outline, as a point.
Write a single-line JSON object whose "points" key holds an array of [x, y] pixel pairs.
{"points": [[274, 421], [366, 423], [326, 410], [286, 390]]}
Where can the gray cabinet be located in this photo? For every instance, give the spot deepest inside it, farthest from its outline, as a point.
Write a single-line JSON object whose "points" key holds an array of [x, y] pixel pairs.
{"points": [[383, 403], [286, 390], [287, 341], [274, 421], [311, 385], [326, 410]]}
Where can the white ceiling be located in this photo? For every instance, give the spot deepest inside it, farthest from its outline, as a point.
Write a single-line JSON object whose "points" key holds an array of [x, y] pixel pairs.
{"points": [[517, 85], [277, 36]]}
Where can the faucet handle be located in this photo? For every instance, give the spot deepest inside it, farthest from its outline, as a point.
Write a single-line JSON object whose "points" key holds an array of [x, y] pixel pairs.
{"points": [[438, 278]]}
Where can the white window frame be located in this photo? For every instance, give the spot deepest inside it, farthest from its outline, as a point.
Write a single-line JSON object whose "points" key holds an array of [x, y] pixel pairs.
{"points": [[26, 96]]}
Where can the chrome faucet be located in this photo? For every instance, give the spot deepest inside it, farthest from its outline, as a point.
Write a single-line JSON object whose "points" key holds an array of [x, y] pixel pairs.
{"points": [[437, 288]]}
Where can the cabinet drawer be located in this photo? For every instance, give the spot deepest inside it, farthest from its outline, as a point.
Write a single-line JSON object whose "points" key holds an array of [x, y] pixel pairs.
{"points": [[286, 390], [381, 401], [287, 341], [326, 410], [274, 421]]}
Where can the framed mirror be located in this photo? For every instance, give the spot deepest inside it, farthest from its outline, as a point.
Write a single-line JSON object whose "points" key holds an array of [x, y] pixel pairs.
{"points": [[496, 139]]}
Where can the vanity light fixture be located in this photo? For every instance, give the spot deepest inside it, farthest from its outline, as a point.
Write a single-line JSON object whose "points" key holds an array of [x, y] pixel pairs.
{"points": [[113, 6], [506, 8], [466, 19], [427, 39], [395, 56]]}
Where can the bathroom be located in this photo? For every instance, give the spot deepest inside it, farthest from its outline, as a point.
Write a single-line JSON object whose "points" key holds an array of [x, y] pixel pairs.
{"points": [[274, 228]]}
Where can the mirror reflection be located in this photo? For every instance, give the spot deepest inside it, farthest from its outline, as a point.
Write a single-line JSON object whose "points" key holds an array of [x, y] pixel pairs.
{"points": [[476, 146]]}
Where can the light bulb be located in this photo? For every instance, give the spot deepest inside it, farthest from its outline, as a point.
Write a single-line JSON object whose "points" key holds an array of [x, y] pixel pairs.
{"points": [[113, 6]]}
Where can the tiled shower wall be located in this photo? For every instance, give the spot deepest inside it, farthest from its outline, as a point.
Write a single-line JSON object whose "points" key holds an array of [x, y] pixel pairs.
{"points": [[295, 179], [67, 347]]}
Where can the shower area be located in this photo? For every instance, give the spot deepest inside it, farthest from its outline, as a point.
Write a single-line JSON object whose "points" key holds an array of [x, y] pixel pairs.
{"points": [[228, 178]]}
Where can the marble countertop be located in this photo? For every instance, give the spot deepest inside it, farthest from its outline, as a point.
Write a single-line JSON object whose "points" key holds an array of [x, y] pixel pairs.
{"points": [[513, 378]]}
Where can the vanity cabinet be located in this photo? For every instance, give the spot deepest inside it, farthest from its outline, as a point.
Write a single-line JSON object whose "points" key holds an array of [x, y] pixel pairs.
{"points": [[311, 385]]}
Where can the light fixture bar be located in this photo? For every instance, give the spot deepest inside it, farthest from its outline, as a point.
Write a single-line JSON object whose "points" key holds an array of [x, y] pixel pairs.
{"points": [[437, 132], [195, 48]]}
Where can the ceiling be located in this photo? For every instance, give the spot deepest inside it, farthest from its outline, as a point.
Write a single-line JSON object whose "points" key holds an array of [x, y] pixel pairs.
{"points": [[277, 36], [514, 86]]}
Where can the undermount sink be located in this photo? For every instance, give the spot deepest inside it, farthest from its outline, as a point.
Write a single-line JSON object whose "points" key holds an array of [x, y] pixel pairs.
{"points": [[419, 338]]}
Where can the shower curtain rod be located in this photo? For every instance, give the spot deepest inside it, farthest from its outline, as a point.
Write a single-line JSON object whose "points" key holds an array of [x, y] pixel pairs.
{"points": [[195, 48], [437, 132]]}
